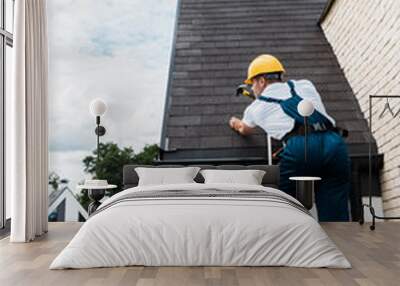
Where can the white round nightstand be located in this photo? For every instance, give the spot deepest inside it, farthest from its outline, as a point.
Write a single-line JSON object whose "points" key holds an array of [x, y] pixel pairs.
{"points": [[95, 193], [305, 190]]}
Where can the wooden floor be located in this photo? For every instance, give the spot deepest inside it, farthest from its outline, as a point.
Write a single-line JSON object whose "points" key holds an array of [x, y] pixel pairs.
{"points": [[375, 257]]}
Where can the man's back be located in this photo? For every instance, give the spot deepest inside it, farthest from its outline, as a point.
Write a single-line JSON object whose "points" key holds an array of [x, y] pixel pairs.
{"points": [[270, 116]]}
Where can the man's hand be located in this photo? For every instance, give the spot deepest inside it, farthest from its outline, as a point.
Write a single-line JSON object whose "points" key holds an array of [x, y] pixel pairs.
{"points": [[234, 123], [237, 125]]}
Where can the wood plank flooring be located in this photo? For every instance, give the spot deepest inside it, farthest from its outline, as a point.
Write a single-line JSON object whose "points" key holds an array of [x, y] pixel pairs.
{"points": [[375, 257]]}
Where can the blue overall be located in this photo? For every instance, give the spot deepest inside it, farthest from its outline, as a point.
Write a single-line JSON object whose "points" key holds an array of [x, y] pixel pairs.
{"points": [[327, 158]]}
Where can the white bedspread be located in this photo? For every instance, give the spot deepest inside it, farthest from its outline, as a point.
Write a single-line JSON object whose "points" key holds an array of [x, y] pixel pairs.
{"points": [[200, 231]]}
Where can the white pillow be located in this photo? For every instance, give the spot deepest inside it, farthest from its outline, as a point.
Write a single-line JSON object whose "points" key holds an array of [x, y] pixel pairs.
{"points": [[163, 176], [248, 177]]}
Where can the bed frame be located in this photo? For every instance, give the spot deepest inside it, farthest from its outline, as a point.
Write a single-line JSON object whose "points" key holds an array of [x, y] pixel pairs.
{"points": [[270, 179]]}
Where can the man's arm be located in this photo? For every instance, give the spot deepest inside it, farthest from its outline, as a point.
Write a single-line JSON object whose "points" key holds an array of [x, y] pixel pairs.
{"points": [[239, 126]]}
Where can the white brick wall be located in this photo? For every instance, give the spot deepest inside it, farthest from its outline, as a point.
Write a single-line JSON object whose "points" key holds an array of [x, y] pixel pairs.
{"points": [[365, 36]]}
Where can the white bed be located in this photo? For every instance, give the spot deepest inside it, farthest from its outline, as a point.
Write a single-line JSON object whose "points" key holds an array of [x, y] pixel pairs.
{"points": [[206, 230]]}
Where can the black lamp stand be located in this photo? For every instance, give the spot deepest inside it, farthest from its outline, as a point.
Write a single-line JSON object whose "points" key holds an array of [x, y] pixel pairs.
{"points": [[305, 138], [96, 195], [100, 131]]}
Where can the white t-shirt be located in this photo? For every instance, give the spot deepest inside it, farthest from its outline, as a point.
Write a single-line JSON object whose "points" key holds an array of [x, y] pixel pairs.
{"points": [[270, 116]]}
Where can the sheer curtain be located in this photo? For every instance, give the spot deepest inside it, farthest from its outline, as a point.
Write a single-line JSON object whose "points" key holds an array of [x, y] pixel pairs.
{"points": [[28, 151]]}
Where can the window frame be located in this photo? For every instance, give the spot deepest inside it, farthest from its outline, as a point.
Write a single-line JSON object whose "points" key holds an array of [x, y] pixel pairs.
{"points": [[6, 39]]}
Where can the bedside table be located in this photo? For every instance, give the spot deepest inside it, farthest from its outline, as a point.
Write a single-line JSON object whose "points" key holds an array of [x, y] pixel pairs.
{"points": [[96, 191], [305, 187]]}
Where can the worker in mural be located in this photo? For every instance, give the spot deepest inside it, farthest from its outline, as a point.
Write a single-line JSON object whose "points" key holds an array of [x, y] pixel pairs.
{"points": [[275, 111]]}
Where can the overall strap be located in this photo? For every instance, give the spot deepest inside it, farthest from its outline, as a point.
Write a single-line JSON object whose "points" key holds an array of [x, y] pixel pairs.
{"points": [[292, 89], [269, 99], [317, 120], [276, 100]]}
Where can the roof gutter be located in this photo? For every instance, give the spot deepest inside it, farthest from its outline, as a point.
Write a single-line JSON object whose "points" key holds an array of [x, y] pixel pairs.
{"points": [[325, 12], [213, 161]]}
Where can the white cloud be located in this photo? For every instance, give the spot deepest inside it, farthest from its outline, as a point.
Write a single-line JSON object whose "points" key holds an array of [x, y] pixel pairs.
{"points": [[115, 50]]}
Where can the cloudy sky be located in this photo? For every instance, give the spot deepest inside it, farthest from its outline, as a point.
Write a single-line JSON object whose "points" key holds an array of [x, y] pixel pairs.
{"points": [[118, 51]]}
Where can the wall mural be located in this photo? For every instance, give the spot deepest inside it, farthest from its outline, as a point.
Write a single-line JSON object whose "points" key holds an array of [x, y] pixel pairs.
{"points": [[109, 57]]}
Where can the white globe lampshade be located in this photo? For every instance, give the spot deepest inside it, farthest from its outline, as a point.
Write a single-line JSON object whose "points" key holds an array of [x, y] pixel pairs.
{"points": [[305, 108], [97, 107]]}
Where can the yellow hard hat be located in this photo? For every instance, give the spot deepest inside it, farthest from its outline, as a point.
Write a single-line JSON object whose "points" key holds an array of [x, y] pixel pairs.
{"points": [[261, 65]]}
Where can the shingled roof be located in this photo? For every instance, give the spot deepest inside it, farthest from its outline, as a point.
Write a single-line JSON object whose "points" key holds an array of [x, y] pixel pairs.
{"points": [[214, 42]]}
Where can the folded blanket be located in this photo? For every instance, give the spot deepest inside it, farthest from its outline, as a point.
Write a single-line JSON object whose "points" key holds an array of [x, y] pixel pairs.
{"points": [[205, 194]]}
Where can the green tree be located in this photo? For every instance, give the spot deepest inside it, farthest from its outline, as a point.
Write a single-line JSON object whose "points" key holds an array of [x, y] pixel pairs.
{"points": [[111, 161], [55, 181]]}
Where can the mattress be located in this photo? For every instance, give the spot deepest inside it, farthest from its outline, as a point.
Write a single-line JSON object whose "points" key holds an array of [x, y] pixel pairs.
{"points": [[201, 225]]}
